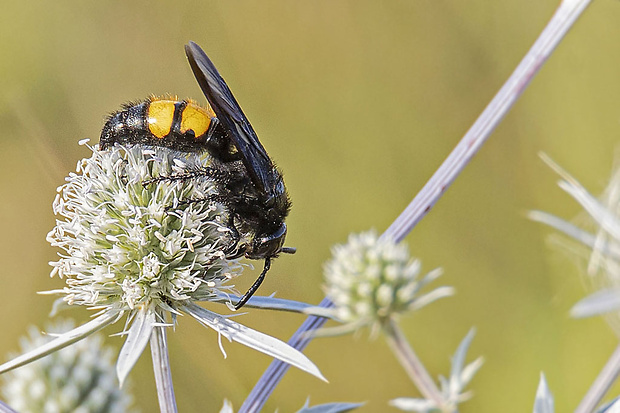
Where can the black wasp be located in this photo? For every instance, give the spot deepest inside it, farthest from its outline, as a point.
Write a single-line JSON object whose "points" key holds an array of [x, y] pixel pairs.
{"points": [[248, 183]]}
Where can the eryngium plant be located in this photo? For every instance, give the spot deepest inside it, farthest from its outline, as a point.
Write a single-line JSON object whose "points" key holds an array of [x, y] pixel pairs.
{"points": [[146, 250], [128, 244], [80, 379], [372, 281]]}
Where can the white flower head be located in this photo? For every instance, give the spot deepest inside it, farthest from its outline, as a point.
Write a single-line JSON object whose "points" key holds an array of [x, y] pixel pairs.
{"points": [[81, 379], [127, 243], [138, 245], [371, 280]]}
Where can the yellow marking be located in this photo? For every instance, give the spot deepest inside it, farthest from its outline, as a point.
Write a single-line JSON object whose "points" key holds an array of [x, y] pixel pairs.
{"points": [[196, 118], [159, 117]]}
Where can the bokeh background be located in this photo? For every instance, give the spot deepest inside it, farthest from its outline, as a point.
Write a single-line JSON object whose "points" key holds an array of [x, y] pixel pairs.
{"points": [[358, 102]]}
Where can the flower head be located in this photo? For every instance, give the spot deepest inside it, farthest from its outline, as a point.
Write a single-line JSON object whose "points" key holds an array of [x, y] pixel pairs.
{"points": [[78, 380], [142, 237], [129, 244], [371, 280]]}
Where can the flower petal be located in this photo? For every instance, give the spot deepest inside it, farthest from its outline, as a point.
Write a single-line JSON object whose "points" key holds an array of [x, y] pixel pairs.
{"points": [[330, 408], [458, 360], [575, 232], [602, 301], [436, 294], [138, 337], [227, 407], [470, 370], [593, 206], [252, 338], [329, 312], [611, 407], [267, 303], [544, 398], [409, 404], [63, 340]]}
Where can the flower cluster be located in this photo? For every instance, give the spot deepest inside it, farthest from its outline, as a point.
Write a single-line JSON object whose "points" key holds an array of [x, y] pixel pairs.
{"points": [[128, 243], [371, 280], [82, 379], [140, 241]]}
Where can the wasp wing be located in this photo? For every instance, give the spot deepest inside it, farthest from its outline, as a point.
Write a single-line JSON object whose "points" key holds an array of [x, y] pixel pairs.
{"points": [[228, 112]]}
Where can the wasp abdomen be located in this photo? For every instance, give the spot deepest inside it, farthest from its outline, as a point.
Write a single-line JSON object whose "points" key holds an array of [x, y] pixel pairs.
{"points": [[177, 124]]}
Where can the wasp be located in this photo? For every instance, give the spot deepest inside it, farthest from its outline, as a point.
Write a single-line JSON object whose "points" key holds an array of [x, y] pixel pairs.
{"points": [[248, 183]]}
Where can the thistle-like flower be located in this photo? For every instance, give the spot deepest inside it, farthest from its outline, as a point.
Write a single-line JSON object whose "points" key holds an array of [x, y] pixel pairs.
{"points": [[81, 379], [146, 250], [372, 280], [128, 244]]}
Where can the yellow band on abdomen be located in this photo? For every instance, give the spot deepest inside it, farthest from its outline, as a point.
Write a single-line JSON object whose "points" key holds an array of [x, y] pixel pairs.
{"points": [[159, 117], [196, 118]]}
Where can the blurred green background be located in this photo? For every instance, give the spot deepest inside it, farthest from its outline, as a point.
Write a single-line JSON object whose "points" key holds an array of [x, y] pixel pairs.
{"points": [[358, 102]]}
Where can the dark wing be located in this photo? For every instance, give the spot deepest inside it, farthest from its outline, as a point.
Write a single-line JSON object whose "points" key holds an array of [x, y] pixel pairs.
{"points": [[228, 112]]}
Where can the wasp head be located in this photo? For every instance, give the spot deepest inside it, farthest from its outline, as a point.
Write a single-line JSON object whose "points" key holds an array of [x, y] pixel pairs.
{"points": [[267, 245]]}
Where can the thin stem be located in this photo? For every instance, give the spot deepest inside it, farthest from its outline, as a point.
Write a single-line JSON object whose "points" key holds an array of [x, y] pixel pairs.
{"points": [[4, 408], [411, 363], [161, 368], [274, 373], [563, 19], [601, 385]]}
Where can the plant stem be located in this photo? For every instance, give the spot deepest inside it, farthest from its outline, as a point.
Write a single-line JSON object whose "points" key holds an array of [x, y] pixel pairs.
{"points": [[601, 385], [4, 408], [276, 370], [411, 363], [161, 368], [562, 20]]}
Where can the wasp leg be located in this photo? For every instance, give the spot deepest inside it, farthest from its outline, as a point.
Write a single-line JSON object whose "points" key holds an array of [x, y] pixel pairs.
{"points": [[210, 198], [186, 202], [194, 173], [254, 286], [233, 251]]}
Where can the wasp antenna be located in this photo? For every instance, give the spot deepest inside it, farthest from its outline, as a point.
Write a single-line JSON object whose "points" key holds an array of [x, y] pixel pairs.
{"points": [[289, 250]]}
